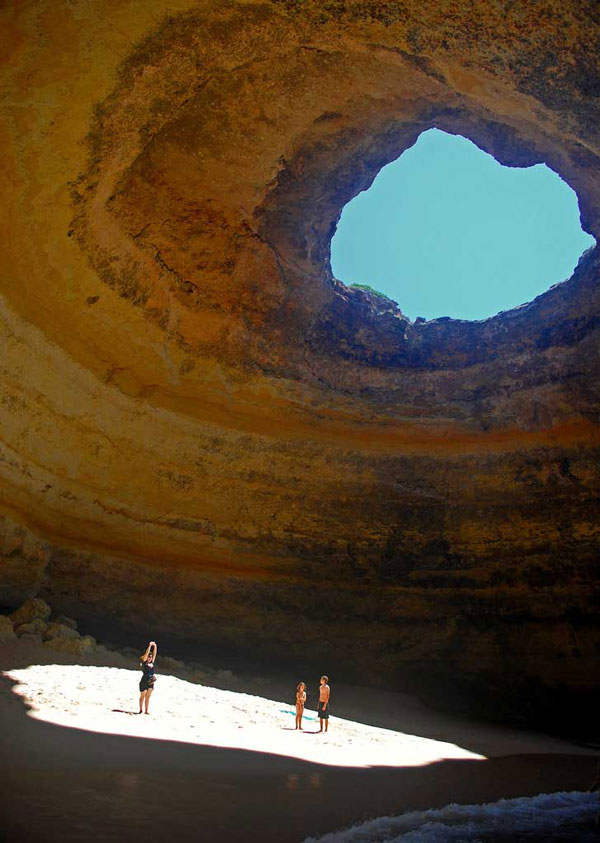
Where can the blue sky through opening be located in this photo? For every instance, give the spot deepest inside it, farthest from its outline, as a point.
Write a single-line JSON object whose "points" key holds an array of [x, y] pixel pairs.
{"points": [[445, 230]]}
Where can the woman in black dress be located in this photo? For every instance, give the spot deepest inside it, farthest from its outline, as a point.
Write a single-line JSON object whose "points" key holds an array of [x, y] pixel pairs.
{"points": [[147, 681]]}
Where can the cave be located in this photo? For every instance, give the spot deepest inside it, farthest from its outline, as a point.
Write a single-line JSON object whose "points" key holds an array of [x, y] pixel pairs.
{"points": [[202, 426]]}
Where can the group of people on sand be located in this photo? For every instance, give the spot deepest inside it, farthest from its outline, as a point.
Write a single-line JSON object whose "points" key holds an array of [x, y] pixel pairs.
{"points": [[148, 660], [322, 705]]}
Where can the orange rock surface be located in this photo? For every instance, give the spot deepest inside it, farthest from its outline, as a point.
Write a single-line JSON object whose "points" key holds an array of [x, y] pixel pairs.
{"points": [[202, 430]]}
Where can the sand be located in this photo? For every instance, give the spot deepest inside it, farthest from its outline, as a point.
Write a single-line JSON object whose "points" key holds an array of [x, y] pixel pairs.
{"points": [[76, 696], [208, 763]]}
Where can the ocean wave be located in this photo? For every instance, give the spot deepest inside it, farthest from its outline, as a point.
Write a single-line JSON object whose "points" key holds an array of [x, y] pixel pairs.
{"points": [[546, 817]]}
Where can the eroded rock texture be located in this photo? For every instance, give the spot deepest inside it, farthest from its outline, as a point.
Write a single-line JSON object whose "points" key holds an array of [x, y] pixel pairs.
{"points": [[204, 432]]}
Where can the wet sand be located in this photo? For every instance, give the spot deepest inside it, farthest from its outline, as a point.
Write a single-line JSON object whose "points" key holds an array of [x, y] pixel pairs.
{"points": [[209, 764]]}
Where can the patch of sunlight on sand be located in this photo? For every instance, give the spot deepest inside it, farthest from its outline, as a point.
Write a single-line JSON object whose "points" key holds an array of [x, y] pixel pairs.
{"points": [[105, 700]]}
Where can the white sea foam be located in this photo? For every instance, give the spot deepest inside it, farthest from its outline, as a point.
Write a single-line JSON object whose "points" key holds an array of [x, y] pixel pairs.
{"points": [[548, 817]]}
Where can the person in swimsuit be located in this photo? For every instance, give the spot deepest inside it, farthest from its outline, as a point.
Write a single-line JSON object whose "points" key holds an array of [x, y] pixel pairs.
{"points": [[300, 700], [147, 681], [323, 707]]}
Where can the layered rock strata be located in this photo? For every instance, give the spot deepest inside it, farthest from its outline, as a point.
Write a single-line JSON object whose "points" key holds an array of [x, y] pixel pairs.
{"points": [[203, 431]]}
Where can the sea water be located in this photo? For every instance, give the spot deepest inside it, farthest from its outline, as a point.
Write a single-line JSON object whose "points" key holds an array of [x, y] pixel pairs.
{"points": [[546, 818]]}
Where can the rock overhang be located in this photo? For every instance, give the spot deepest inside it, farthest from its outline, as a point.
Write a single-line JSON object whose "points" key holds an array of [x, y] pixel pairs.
{"points": [[189, 394], [249, 145]]}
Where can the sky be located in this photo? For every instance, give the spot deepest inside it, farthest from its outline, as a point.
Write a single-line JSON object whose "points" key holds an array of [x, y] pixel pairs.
{"points": [[445, 230]]}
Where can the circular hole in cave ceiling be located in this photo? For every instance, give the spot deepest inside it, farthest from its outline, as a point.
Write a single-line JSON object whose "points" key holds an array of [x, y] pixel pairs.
{"points": [[445, 230]]}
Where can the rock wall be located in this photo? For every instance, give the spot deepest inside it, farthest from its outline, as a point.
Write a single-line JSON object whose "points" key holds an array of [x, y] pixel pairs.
{"points": [[205, 432]]}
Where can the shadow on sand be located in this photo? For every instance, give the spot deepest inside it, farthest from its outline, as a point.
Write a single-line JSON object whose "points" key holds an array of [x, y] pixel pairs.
{"points": [[65, 784]]}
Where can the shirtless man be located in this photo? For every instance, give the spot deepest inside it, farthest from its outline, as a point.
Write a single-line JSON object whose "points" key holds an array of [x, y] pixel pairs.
{"points": [[323, 707]]}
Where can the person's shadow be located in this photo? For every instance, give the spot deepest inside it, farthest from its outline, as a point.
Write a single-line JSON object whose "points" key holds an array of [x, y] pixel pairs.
{"points": [[123, 711], [288, 729]]}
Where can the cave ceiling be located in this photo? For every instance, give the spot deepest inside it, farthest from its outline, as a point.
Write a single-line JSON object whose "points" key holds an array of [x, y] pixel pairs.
{"points": [[190, 400]]}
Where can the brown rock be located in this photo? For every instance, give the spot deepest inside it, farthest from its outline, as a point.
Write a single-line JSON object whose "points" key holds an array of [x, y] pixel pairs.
{"points": [[32, 610], [31, 638], [241, 449], [77, 646], [59, 630], [23, 558], [35, 627], [7, 632], [170, 665], [66, 621]]}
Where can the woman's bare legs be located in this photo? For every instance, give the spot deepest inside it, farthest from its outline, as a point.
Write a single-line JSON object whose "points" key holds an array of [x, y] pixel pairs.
{"points": [[145, 700], [148, 695]]}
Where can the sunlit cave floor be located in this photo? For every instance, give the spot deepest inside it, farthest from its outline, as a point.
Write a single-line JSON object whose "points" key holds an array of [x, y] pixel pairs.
{"points": [[77, 696], [207, 763]]}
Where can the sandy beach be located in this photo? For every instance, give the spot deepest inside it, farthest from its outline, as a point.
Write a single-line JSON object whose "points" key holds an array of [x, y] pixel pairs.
{"points": [[209, 763]]}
